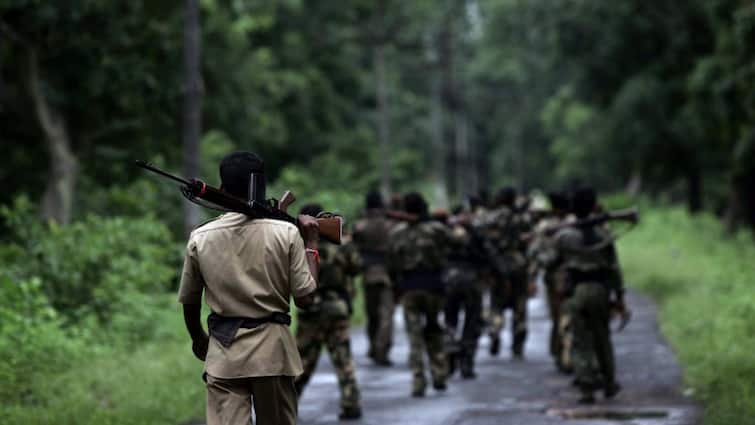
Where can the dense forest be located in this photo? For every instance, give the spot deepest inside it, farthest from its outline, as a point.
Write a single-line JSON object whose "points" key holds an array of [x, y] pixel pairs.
{"points": [[651, 97], [653, 100]]}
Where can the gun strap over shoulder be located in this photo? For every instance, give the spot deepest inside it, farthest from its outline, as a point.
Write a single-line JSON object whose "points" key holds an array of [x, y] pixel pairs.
{"points": [[224, 328]]}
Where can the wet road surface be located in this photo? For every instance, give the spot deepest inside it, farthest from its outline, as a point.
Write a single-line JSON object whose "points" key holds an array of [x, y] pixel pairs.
{"points": [[514, 392]]}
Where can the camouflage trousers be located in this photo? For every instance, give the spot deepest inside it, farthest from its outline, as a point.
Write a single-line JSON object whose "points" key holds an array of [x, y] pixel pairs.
{"points": [[311, 335], [565, 333], [466, 296], [379, 305], [554, 312], [421, 310], [561, 324], [513, 295], [592, 337]]}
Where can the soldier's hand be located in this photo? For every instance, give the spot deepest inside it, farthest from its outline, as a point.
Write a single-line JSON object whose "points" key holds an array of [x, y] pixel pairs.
{"points": [[310, 229], [199, 346]]}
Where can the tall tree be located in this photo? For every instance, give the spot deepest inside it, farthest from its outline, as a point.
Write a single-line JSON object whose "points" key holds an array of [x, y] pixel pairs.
{"points": [[192, 110]]}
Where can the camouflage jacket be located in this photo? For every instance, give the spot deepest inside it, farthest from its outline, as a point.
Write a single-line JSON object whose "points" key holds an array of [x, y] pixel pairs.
{"points": [[338, 266], [542, 249], [418, 253], [505, 228], [465, 259], [371, 238], [589, 255]]}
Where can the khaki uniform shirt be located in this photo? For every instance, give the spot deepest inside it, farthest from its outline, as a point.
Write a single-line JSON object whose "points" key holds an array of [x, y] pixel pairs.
{"points": [[248, 268]]}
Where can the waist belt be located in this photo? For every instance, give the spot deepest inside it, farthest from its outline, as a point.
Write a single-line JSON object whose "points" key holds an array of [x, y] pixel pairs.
{"points": [[581, 276], [224, 329], [429, 280]]}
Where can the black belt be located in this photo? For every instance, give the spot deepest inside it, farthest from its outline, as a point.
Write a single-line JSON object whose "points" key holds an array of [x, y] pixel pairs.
{"points": [[581, 276], [224, 328]]}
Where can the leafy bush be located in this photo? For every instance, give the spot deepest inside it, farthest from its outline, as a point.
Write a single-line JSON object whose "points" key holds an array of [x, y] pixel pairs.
{"points": [[92, 268], [703, 279], [32, 344]]}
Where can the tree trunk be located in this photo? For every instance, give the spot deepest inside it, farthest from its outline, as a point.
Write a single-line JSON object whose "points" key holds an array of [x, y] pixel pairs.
{"points": [[57, 201], [634, 185], [439, 148], [192, 108], [694, 191], [461, 144], [383, 118]]}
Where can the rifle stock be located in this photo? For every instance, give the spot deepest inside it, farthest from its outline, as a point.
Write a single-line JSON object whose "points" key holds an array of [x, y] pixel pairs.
{"points": [[331, 229]]}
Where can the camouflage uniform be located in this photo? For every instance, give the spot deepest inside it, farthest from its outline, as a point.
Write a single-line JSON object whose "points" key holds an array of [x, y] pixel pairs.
{"points": [[504, 228], [417, 256], [326, 322], [543, 254], [463, 291], [589, 256], [371, 236]]}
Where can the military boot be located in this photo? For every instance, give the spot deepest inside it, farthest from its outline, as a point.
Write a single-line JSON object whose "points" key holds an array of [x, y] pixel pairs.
{"points": [[517, 348], [350, 413], [495, 345], [418, 386], [466, 365], [611, 389]]}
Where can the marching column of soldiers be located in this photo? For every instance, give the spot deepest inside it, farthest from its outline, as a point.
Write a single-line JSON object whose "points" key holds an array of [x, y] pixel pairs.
{"points": [[438, 265], [435, 265]]}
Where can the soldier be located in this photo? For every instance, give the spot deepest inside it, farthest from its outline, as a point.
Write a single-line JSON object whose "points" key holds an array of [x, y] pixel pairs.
{"points": [[543, 254], [504, 227], [463, 291], [589, 256], [371, 236], [248, 270], [326, 321], [417, 255]]}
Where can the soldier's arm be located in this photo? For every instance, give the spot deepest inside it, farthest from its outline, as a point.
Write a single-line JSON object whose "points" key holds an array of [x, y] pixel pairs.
{"points": [[190, 295], [305, 262], [353, 260], [618, 277]]}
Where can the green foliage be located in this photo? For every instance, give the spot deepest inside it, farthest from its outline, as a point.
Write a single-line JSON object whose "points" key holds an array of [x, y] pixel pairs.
{"points": [[94, 268], [703, 280], [56, 378], [32, 345]]}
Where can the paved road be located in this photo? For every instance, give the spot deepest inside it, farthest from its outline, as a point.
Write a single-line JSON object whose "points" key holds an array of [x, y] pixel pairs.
{"points": [[515, 392]]}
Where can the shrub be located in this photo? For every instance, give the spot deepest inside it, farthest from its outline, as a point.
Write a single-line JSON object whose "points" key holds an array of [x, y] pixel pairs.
{"points": [[32, 344], [95, 267]]}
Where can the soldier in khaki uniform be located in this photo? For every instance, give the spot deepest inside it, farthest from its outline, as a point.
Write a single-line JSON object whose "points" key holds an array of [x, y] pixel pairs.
{"points": [[248, 270], [417, 256], [326, 321], [371, 236]]}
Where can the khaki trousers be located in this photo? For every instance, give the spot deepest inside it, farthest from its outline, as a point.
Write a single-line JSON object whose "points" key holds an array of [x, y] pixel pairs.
{"points": [[230, 401]]}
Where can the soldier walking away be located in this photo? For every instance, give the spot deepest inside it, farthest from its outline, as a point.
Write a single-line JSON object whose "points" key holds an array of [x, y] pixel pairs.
{"points": [[504, 227], [371, 236], [589, 256], [248, 270], [463, 292], [326, 321], [544, 261], [417, 256]]}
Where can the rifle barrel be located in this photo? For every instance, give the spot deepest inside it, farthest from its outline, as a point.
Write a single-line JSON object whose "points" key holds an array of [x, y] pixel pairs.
{"points": [[150, 167]]}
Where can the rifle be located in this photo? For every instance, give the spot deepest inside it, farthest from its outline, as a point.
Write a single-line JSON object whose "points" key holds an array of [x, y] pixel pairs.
{"points": [[199, 192], [630, 215]]}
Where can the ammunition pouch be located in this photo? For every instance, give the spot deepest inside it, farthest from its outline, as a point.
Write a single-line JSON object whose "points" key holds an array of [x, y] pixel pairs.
{"points": [[224, 329], [330, 303]]}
